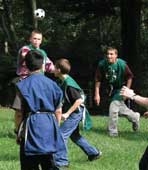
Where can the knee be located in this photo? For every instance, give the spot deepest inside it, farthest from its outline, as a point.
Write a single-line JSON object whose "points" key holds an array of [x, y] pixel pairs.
{"points": [[75, 138]]}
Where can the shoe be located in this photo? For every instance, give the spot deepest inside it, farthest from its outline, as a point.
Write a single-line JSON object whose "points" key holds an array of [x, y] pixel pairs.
{"points": [[94, 157], [135, 125]]}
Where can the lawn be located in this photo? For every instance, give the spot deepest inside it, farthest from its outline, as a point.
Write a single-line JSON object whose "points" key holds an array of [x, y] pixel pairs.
{"points": [[120, 153]]}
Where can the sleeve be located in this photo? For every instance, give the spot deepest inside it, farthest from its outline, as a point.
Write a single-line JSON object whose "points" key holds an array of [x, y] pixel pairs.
{"points": [[21, 60], [49, 66], [58, 97], [73, 94], [17, 102], [128, 72], [98, 75]]}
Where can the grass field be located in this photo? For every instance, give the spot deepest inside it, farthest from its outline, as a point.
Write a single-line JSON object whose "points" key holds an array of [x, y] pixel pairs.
{"points": [[121, 153]]}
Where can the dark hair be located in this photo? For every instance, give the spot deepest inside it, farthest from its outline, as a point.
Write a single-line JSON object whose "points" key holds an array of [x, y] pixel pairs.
{"points": [[64, 65], [112, 49], [34, 60]]}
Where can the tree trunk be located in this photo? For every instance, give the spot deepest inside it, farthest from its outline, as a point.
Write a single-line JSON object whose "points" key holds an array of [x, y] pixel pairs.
{"points": [[8, 25], [130, 33], [29, 7]]}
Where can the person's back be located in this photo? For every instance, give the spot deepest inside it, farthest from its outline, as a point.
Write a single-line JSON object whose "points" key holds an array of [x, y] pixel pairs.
{"points": [[40, 99]]}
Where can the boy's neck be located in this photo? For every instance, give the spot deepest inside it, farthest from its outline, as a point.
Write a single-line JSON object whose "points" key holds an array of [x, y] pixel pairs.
{"points": [[63, 76]]}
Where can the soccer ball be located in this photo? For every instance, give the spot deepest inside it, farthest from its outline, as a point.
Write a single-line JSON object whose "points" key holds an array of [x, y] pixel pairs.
{"points": [[39, 14]]}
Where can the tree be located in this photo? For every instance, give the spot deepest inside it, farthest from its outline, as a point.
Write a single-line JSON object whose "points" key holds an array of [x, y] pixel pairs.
{"points": [[130, 32]]}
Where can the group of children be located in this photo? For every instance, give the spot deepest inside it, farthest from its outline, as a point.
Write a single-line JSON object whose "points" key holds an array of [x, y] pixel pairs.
{"points": [[40, 106], [42, 103]]}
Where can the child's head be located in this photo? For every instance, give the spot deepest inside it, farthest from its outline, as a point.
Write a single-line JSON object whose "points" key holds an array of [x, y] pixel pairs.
{"points": [[34, 60], [36, 38], [62, 66], [112, 54]]}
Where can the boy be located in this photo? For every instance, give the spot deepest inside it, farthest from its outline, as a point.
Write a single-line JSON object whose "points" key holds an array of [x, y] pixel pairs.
{"points": [[72, 114], [22, 70], [37, 128], [115, 73], [35, 42]]}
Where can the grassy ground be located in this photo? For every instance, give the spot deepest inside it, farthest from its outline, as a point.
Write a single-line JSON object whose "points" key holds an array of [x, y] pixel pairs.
{"points": [[121, 153]]}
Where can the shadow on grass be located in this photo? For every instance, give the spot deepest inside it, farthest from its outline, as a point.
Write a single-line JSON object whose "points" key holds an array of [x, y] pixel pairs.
{"points": [[8, 157], [7, 135], [129, 135]]}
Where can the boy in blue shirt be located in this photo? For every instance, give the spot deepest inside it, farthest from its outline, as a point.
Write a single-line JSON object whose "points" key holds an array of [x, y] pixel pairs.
{"points": [[38, 131]]}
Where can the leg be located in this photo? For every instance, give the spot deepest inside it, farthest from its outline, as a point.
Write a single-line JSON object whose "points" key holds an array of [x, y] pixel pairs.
{"points": [[113, 118], [91, 151], [46, 162], [143, 164], [67, 128], [27, 162], [130, 114]]}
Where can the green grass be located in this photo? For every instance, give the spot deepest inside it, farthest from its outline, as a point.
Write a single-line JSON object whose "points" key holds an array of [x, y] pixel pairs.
{"points": [[121, 153]]}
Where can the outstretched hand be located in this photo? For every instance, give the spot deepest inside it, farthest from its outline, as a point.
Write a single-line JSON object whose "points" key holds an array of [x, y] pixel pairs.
{"points": [[126, 92]]}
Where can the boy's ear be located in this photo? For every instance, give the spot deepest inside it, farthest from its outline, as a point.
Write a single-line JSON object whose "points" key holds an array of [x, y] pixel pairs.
{"points": [[59, 70]]}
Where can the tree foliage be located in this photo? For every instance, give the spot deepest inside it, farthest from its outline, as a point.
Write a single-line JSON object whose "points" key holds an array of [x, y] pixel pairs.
{"points": [[77, 30]]}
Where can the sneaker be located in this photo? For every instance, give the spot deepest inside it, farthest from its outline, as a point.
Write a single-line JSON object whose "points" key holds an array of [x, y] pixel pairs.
{"points": [[94, 157], [135, 125]]}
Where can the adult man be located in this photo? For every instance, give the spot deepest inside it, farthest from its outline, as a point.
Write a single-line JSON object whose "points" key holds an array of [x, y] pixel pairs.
{"points": [[115, 72], [143, 101]]}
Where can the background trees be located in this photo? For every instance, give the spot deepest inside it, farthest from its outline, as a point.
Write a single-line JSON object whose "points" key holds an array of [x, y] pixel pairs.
{"points": [[79, 31]]}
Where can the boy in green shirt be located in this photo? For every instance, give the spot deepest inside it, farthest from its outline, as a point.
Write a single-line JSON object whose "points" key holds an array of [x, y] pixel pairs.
{"points": [[116, 73], [72, 114]]}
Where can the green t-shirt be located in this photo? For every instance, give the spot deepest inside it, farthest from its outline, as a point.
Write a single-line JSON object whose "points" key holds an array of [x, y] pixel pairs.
{"points": [[114, 76]]}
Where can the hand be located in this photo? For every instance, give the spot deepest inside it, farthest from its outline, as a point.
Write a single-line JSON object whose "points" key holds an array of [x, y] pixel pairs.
{"points": [[97, 99], [146, 114], [24, 51], [126, 92], [65, 116]]}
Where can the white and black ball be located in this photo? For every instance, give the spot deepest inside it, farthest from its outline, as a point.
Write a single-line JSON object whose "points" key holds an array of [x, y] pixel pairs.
{"points": [[39, 14]]}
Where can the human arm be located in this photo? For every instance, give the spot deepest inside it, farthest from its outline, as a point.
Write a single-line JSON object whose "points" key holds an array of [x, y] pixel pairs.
{"points": [[129, 76], [74, 107], [129, 93], [18, 117], [97, 93], [49, 66], [17, 106], [97, 86], [58, 114]]}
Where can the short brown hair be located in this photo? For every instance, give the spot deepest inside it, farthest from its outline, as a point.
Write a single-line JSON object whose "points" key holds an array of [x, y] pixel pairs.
{"points": [[64, 65], [112, 49]]}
